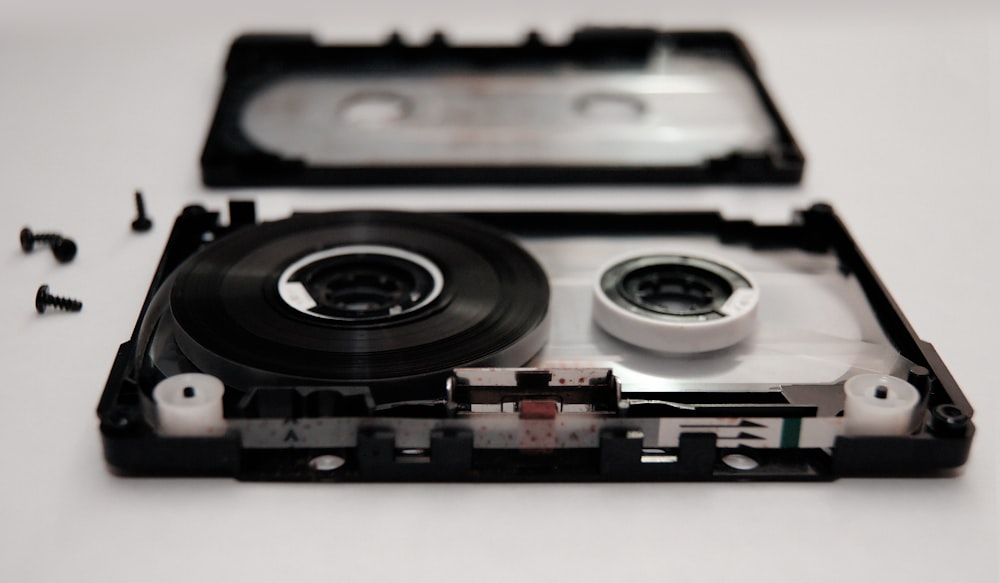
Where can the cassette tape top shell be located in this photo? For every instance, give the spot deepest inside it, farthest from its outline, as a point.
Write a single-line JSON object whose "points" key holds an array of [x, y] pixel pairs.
{"points": [[611, 105]]}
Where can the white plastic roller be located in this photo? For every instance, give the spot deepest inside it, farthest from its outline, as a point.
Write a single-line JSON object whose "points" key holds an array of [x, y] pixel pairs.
{"points": [[877, 404], [189, 404]]}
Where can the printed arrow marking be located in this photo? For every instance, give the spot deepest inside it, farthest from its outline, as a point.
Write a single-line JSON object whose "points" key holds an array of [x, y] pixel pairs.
{"points": [[290, 436], [742, 435], [734, 432]]}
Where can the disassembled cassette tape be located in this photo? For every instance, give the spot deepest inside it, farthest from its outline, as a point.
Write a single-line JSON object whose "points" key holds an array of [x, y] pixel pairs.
{"points": [[383, 345], [611, 105]]}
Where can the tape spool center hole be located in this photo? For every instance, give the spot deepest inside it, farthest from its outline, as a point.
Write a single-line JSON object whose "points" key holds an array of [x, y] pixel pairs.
{"points": [[363, 284], [675, 289], [357, 283]]}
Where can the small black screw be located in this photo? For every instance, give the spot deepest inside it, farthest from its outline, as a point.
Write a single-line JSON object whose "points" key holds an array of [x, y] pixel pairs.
{"points": [[141, 222], [43, 299], [64, 249]]}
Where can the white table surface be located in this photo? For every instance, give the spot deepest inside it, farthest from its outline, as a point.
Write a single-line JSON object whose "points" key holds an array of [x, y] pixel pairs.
{"points": [[896, 107]]}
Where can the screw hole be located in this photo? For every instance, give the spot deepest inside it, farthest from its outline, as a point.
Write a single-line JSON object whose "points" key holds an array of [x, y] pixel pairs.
{"points": [[738, 461], [326, 463], [950, 411], [188, 392]]}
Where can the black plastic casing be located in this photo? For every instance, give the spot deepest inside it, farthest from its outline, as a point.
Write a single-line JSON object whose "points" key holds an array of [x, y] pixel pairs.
{"points": [[941, 444], [229, 159]]}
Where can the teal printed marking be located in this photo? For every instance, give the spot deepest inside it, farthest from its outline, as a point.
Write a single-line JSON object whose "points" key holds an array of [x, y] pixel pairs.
{"points": [[790, 429]]}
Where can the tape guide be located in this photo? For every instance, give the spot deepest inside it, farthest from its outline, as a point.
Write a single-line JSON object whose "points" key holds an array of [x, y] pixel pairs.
{"points": [[525, 346]]}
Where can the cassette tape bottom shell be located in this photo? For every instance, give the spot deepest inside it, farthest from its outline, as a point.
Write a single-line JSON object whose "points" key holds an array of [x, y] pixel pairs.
{"points": [[387, 345]]}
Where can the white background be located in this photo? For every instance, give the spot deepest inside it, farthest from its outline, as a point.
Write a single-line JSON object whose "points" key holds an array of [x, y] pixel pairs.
{"points": [[895, 105]]}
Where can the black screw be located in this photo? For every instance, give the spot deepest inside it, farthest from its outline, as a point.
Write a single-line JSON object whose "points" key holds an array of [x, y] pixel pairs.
{"points": [[141, 222], [64, 249], [43, 299]]}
